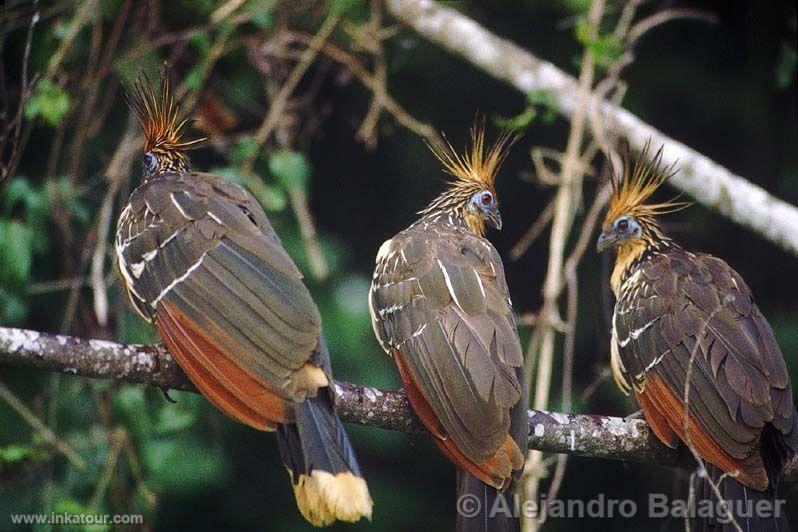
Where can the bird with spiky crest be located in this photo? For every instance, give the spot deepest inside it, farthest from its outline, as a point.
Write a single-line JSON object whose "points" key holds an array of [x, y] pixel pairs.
{"points": [[441, 309], [200, 260], [164, 147], [689, 341]]}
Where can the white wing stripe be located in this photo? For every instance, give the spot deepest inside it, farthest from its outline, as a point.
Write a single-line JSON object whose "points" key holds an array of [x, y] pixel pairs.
{"points": [[449, 283], [635, 334], [481, 287], [390, 310], [178, 207], [178, 280]]}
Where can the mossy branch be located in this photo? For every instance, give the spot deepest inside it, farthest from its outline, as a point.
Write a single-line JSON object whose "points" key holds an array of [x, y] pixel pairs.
{"points": [[594, 436]]}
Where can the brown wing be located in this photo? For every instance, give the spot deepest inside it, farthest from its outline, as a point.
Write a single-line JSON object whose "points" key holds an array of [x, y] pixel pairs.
{"points": [[682, 313], [199, 257], [440, 306]]}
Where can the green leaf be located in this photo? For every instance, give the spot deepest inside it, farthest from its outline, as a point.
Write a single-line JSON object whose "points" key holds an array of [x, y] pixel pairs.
{"points": [[230, 173], [605, 49], [193, 79], [243, 149], [72, 507], [15, 453], [291, 169], [173, 418], [201, 42], [547, 100], [48, 101], [15, 252], [18, 190], [183, 465], [271, 198], [516, 123], [341, 7], [261, 13]]}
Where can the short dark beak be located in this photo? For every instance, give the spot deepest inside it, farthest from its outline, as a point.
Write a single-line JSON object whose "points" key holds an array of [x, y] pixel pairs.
{"points": [[495, 218], [606, 239]]}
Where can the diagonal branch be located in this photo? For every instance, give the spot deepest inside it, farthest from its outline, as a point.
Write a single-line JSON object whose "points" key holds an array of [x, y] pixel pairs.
{"points": [[708, 182], [584, 435]]}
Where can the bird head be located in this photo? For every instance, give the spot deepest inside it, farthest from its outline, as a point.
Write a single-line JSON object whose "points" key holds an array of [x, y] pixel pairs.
{"points": [[164, 147], [630, 224], [471, 194]]}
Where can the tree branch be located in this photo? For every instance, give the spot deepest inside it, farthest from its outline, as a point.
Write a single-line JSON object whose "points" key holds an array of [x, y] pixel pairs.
{"points": [[708, 182], [584, 435]]}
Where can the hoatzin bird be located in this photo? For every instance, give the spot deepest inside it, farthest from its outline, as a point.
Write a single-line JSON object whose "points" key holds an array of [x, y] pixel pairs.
{"points": [[200, 260], [440, 307], [691, 343]]}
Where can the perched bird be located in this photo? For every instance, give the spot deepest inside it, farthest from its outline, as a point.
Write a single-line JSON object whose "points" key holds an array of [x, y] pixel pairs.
{"points": [[200, 260], [440, 307], [691, 343]]}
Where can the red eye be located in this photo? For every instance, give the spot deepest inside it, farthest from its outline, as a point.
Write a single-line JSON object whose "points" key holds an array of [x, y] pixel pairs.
{"points": [[486, 198]]}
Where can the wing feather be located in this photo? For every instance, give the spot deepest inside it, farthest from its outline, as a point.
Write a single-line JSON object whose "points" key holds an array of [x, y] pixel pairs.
{"points": [[439, 299], [698, 317]]}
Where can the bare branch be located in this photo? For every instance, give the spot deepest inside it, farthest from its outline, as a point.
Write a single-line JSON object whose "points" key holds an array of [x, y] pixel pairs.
{"points": [[708, 182], [585, 435]]}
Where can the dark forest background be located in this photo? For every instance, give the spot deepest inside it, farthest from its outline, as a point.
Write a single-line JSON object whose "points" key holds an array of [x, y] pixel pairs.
{"points": [[726, 88]]}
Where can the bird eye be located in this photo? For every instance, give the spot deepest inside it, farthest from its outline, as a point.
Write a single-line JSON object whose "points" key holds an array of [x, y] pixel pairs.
{"points": [[150, 161], [487, 198], [623, 224]]}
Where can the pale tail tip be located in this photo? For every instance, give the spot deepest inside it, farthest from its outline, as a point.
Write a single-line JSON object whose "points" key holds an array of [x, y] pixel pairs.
{"points": [[324, 498]]}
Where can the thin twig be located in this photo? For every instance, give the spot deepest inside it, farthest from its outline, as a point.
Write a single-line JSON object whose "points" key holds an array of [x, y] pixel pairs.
{"points": [[26, 87], [39, 426], [686, 424], [280, 100], [402, 116], [85, 13], [369, 124], [566, 201], [116, 171], [534, 231], [116, 440]]}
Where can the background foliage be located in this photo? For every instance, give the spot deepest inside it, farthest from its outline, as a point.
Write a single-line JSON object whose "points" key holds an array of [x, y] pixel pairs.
{"points": [[727, 89]]}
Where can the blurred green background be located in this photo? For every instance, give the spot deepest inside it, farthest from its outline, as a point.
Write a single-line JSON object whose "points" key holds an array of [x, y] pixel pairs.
{"points": [[727, 89]]}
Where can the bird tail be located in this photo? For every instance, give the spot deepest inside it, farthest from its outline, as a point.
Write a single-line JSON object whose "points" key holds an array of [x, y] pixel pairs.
{"points": [[318, 455], [751, 509], [483, 508]]}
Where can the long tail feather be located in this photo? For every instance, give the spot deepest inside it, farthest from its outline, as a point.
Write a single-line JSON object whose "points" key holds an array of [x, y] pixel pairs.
{"points": [[327, 481], [752, 510], [480, 508]]}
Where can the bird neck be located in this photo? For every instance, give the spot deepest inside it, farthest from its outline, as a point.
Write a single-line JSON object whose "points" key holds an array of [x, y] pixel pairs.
{"points": [[630, 255], [451, 208]]}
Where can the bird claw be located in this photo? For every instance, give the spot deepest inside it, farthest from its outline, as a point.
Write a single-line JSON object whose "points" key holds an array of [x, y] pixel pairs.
{"points": [[165, 392]]}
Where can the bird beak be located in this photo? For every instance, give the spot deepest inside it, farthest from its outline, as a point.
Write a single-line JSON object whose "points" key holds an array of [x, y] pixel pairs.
{"points": [[607, 239], [495, 218]]}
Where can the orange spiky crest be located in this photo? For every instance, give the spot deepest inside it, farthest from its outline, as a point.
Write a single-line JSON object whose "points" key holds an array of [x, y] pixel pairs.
{"points": [[636, 184], [629, 194], [163, 131], [477, 168], [474, 172]]}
